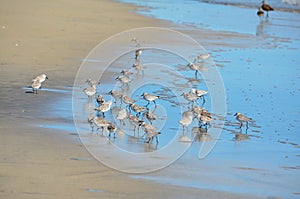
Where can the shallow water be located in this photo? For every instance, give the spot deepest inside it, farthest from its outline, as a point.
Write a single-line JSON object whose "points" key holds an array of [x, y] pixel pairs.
{"points": [[221, 17], [261, 81]]}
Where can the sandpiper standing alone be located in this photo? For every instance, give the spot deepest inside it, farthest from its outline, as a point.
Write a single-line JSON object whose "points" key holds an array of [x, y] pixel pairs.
{"points": [[36, 85], [242, 118], [266, 7]]}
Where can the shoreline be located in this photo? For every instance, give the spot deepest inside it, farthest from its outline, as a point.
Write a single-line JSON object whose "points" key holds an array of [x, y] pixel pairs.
{"points": [[43, 162]]}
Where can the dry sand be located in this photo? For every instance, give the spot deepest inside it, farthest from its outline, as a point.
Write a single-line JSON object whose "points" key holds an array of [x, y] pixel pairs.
{"points": [[51, 37]]}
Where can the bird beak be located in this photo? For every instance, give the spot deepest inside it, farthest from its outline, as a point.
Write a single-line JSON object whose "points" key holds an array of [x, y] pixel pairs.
{"points": [[235, 114], [46, 77]]}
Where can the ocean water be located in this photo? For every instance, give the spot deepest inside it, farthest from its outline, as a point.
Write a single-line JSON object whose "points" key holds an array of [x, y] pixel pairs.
{"points": [[288, 5], [261, 81], [220, 17]]}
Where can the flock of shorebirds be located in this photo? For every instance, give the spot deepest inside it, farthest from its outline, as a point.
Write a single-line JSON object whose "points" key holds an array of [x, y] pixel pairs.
{"points": [[264, 7], [142, 116]]}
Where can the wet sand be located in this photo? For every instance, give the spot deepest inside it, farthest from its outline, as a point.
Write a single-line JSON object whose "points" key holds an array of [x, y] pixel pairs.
{"points": [[41, 154]]}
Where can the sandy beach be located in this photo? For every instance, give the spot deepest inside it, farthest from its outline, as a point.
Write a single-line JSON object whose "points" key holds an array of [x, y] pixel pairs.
{"points": [[41, 155]]}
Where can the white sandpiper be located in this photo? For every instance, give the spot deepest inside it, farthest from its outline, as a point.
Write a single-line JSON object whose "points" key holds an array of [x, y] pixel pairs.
{"points": [[127, 100], [151, 135], [41, 78], [149, 98], [122, 115], [200, 94], [124, 80], [135, 121], [204, 56], [100, 123], [194, 67], [138, 67], [35, 86], [150, 116], [191, 97], [137, 109], [104, 107], [242, 118], [186, 120], [91, 82], [115, 94], [90, 92], [126, 72]]}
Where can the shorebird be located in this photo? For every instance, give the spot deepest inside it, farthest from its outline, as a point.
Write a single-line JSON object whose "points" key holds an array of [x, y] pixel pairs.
{"points": [[260, 13], [100, 123], [138, 53], [91, 121], [126, 72], [151, 135], [115, 94], [266, 7], [186, 120], [138, 109], [199, 93], [197, 110], [100, 100], [122, 114], [135, 121], [138, 67], [150, 116], [242, 118], [36, 85], [111, 128], [104, 107], [194, 67], [91, 82], [41, 78], [191, 97], [204, 56], [147, 127], [90, 92], [149, 98], [127, 100], [124, 80], [205, 119]]}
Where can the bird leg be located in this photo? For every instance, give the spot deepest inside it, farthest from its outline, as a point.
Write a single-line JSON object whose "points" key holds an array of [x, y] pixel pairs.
{"points": [[196, 74], [147, 104]]}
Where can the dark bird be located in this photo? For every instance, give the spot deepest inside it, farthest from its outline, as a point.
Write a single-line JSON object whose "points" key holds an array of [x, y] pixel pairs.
{"points": [[138, 53], [266, 7], [260, 13]]}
